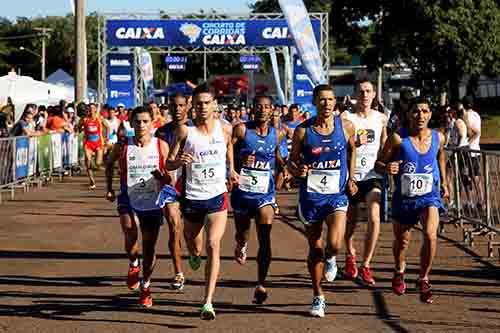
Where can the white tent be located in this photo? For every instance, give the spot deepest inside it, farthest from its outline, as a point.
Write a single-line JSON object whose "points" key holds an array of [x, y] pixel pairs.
{"points": [[63, 79], [24, 89]]}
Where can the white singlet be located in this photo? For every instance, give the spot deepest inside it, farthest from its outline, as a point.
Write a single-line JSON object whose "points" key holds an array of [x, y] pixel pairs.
{"points": [[113, 130], [366, 155], [206, 176], [142, 187]]}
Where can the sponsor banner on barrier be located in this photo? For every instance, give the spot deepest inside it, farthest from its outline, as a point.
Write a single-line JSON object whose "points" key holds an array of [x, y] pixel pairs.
{"points": [[56, 151], [44, 143], [303, 87], [22, 147], [33, 151], [66, 142], [120, 81], [201, 33], [7, 161]]}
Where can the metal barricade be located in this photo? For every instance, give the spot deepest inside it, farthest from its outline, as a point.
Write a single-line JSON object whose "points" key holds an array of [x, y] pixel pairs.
{"points": [[7, 150], [474, 182]]}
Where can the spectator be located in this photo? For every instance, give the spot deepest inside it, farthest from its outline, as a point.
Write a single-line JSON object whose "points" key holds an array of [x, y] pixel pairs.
{"points": [[26, 125], [56, 121], [122, 112], [9, 111], [71, 117], [4, 130], [41, 118]]}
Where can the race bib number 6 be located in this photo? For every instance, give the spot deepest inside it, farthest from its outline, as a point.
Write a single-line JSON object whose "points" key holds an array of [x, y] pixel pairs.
{"points": [[416, 184], [208, 173], [323, 181], [254, 181]]}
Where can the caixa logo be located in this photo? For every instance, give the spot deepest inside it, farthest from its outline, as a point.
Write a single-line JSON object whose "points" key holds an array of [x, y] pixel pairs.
{"points": [[21, 156], [140, 33]]}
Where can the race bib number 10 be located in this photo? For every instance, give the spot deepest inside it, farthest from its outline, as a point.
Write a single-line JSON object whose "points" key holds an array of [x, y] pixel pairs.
{"points": [[255, 181], [323, 181], [208, 173], [416, 184]]}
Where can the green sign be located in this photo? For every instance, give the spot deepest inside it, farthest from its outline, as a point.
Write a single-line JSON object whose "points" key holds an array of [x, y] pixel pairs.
{"points": [[44, 144]]}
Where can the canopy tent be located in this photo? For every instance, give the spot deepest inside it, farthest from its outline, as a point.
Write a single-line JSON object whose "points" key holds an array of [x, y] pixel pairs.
{"points": [[63, 79], [24, 89]]}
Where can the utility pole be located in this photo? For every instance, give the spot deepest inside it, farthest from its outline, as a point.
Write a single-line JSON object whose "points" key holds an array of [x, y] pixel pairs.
{"points": [[44, 33], [81, 52]]}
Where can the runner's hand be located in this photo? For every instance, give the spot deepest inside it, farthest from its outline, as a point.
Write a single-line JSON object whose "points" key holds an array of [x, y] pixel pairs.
{"points": [[111, 196], [352, 187], [184, 159], [249, 160], [393, 167], [445, 193], [161, 176], [303, 169], [234, 178]]}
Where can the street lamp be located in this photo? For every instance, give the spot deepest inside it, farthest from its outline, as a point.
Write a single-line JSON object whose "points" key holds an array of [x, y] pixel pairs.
{"points": [[42, 58]]}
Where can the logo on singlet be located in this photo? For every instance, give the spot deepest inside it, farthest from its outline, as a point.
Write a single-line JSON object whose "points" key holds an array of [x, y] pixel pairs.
{"points": [[409, 167]]}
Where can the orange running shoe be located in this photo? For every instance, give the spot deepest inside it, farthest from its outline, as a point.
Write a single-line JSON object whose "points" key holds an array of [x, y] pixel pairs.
{"points": [[133, 277], [145, 298]]}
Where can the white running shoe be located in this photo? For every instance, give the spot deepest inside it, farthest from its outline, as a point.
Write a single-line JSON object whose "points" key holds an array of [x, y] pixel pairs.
{"points": [[318, 307], [331, 269]]}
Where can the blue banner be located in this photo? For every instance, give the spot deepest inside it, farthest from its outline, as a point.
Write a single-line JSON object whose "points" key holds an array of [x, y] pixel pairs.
{"points": [[22, 147], [120, 81], [303, 87], [176, 63], [201, 33], [304, 33]]}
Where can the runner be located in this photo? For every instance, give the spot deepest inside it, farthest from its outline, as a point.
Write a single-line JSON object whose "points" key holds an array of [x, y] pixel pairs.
{"points": [[281, 170], [323, 153], [371, 133], [139, 158], [169, 199], [94, 140], [416, 159], [294, 120], [158, 120], [114, 124], [205, 148], [254, 197]]}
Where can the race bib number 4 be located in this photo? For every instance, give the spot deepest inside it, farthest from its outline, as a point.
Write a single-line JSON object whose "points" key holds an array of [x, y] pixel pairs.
{"points": [[323, 181], [416, 184], [208, 173], [255, 181]]}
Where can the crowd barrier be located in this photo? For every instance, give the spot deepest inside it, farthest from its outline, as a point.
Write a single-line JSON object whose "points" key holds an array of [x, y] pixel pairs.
{"points": [[25, 161], [474, 182]]}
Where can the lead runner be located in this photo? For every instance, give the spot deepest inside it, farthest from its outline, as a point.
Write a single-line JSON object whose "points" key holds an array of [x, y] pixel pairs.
{"points": [[324, 153]]}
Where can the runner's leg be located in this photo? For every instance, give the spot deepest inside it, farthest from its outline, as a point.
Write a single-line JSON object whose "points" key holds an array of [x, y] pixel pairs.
{"points": [[129, 228], [351, 225], [88, 165], [149, 238], [99, 158], [215, 227], [402, 236], [173, 216], [336, 224], [373, 206], [430, 224], [264, 220], [315, 260]]}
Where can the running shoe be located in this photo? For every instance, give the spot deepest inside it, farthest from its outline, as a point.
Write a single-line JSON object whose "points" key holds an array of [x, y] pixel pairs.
{"points": [[331, 269], [194, 262], [207, 312], [425, 291], [260, 295], [318, 307], [240, 253], [367, 276], [145, 298], [350, 268], [398, 283], [92, 187], [133, 277], [178, 283]]}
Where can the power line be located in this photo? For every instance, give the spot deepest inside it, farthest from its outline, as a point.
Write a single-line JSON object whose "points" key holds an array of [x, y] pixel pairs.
{"points": [[21, 37]]}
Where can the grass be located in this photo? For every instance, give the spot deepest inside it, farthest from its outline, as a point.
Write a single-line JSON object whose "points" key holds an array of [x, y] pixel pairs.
{"points": [[490, 129]]}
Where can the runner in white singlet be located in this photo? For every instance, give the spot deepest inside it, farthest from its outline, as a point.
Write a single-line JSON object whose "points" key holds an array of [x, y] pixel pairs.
{"points": [[371, 133], [202, 151]]}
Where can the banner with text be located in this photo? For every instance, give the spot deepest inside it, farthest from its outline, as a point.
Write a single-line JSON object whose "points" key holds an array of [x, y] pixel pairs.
{"points": [[202, 33]]}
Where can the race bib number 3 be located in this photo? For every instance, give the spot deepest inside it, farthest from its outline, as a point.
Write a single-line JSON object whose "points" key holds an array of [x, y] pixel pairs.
{"points": [[141, 184], [416, 184], [208, 173], [323, 181], [255, 181]]}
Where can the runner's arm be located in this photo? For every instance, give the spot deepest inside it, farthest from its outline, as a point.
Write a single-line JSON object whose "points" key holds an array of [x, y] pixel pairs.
{"points": [[295, 159], [279, 159], [173, 162], [229, 152], [442, 166], [389, 152], [110, 166], [350, 134]]}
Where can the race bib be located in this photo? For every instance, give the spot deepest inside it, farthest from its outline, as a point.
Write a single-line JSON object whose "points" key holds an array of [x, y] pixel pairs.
{"points": [[416, 184], [141, 184], [323, 181], [364, 164], [208, 173], [255, 181]]}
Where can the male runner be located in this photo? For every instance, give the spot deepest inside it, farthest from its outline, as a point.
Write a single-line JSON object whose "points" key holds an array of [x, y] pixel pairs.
{"points": [[114, 124], [371, 133], [202, 150], [94, 140], [254, 197], [416, 159], [140, 157], [169, 199], [323, 153]]}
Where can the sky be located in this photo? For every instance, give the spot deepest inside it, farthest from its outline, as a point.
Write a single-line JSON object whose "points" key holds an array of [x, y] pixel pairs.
{"points": [[36, 8]]}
